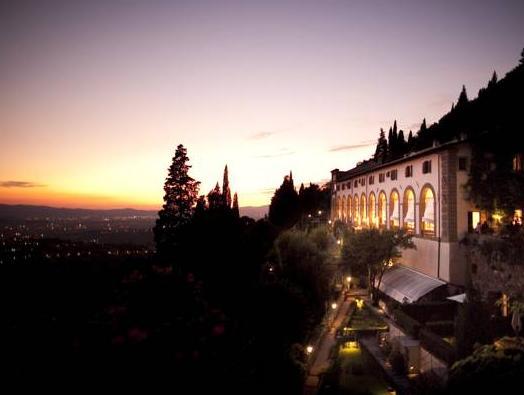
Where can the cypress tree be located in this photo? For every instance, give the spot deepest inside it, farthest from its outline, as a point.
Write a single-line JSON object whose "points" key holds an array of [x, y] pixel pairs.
{"points": [[493, 81], [180, 196], [401, 141], [236, 211], [226, 192]]}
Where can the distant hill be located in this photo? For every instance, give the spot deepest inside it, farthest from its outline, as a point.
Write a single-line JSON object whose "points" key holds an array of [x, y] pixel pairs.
{"points": [[254, 212], [22, 211]]}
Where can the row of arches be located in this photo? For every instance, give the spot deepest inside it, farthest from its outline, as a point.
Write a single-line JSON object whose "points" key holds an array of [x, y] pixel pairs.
{"points": [[379, 211]]}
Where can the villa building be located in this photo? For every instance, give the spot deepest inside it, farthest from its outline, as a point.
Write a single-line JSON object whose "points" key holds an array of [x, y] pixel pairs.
{"points": [[423, 193]]}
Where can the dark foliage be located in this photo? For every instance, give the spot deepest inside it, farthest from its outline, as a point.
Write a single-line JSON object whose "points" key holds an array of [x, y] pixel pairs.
{"points": [[284, 210], [181, 193], [496, 368]]}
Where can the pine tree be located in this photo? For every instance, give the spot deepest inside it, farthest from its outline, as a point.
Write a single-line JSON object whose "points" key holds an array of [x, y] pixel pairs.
{"points": [[522, 57], [181, 192], [382, 147], [226, 192], [410, 139], [493, 81], [236, 211], [463, 97], [215, 198], [201, 205], [284, 209]]}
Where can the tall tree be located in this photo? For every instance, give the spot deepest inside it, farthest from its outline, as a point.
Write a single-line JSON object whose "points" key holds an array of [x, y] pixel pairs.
{"points": [[226, 192], [215, 198], [284, 209], [236, 210], [180, 196], [401, 142], [382, 147], [493, 81], [463, 97]]}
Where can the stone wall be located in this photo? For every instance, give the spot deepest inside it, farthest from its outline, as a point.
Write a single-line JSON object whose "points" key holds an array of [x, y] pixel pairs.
{"points": [[490, 275]]}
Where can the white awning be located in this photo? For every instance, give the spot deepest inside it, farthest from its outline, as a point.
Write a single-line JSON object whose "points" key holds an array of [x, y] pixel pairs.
{"points": [[410, 215], [407, 285], [395, 214], [429, 212], [460, 298]]}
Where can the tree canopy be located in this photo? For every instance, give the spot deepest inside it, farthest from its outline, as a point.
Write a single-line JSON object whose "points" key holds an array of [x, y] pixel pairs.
{"points": [[371, 252], [284, 210]]}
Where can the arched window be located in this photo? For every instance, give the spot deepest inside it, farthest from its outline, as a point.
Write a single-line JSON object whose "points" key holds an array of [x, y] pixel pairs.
{"points": [[408, 214], [372, 211], [356, 212], [427, 212], [343, 209], [394, 210], [382, 220], [348, 209], [363, 210]]}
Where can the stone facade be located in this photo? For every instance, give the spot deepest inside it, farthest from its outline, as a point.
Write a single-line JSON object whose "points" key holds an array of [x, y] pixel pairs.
{"points": [[492, 276]]}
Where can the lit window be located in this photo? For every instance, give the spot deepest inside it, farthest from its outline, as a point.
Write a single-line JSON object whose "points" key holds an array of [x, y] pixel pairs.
{"points": [[428, 209], [517, 162], [356, 212], [371, 211], [394, 209], [382, 210], [409, 211], [517, 217], [363, 210]]}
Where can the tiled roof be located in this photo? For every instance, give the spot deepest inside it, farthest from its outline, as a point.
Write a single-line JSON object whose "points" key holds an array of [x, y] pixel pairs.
{"points": [[370, 165]]}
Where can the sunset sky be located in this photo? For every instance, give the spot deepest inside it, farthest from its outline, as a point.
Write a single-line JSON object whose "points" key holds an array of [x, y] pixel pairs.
{"points": [[96, 95]]}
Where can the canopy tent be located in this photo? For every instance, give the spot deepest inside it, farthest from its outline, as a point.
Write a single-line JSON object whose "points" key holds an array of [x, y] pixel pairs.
{"points": [[406, 285]]}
